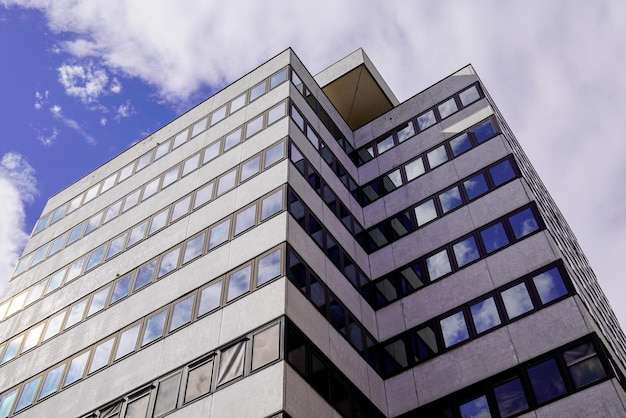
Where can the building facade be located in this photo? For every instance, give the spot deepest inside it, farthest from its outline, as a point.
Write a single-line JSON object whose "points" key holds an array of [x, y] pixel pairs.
{"points": [[300, 246]]}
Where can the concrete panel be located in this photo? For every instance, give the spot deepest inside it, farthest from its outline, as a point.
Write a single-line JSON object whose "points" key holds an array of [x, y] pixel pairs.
{"points": [[301, 311], [596, 401], [401, 393], [301, 400]]}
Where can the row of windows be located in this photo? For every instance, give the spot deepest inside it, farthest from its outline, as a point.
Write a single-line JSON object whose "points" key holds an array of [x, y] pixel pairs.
{"points": [[189, 203], [327, 243], [452, 257], [154, 326], [437, 206], [161, 150], [419, 123], [325, 377], [151, 188], [153, 270], [193, 381], [472, 320], [426, 161], [528, 386]]}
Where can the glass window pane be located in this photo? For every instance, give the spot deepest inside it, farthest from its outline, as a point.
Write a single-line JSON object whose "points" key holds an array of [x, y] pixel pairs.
{"points": [[265, 346], [180, 139], [41, 224], [191, 164], [414, 169], [475, 186], [150, 189], [54, 326], [426, 120], [460, 144], [274, 154], [162, 149], [454, 329], [198, 127], [117, 245], [258, 90], [199, 381], [250, 168], [98, 301], [211, 152], [121, 288], [485, 315], [101, 355], [75, 233], [194, 248], [384, 144], [494, 237], [450, 199], [75, 203], [158, 221], [154, 327], [143, 162], [469, 95], [33, 337], [405, 131], [437, 156], [231, 363], [17, 303], [12, 349], [39, 255], [76, 313], [502, 172], [210, 298], [94, 222], [6, 403], [465, 251], [56, 280], [269, 267], [278, 78], [584, 365], [239, 283], [546, 381], [447, 108], [484, 131], [203, 195], [127, 342], [297, 118], [95, 257], [57, 245], [138, 408], [182, 313], [218, 115], [144, 276], [112, 211], [126, 172], [523, 223], [77, 368], [169, 262], [425, 212], [131, 200], [75, 269], [27, 396], [517, 300], [237, 103], [550, 285], [91, 193], [232, 139], [137, 234], [254, 126], [510, 398], [226, 182], [245, 219], [438, 265], [271, 205], [219, 234], [170, 176], [167, 395], [276, 113], [51, 384], [476, 408], [181, 208]]}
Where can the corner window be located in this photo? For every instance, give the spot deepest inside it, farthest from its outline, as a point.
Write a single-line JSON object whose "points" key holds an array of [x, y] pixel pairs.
{"points": [[469, 95], [584, 365], [549, 285]]}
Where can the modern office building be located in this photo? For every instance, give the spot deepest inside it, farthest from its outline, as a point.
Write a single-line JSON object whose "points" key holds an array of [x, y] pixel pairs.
{"points": [[307, 246]]}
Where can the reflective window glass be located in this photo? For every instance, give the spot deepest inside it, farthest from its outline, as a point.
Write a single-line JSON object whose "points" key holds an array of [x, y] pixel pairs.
{"points": [[76, 369], [510, 398], [162, 149], [126, 172], [584, 365], [131, 200], [494, 237], [450, 199], [546, 381], [425, 212], [232, 139], [465, 251], [210, 298], [198, 127], [460, 144], [127, 341], [502, 172], [313, 138], [75, 233], [269, 267], [245, 219], [414, 169], [226, 182], [6, 403], [231, 363], [137, 234], [437, 156], [35, 292], [154, 327], [484, 131], [158, 221], [182, 313], [250, 168], [476, 408], [447, 108], [454, 329], [150, 189], [278, 78], [12, 349], [180, 139], [117, 245], [51, 384], [203, 195], [95, 257], [276, 113], [27, 396], [194, 248], [137, 408], [17, 303], [58, 214], [384, 145], [211, 152], [254, 126], [550, 285], [181, 208], [121, 288], [112, 211], [219, 234], [170, 176], [40, 254], [239, 283], [469, 95], [274, 154], [169, 261], [476, 186], [75, 268], [167, 395], [76, 313], [199, 381], [271, 205], [144, 275], [143, 162], [33, 337], [41, 224], [237, 103], [405, 131], [218, 115], [98, 301], [191, 164], [485, 315], [297, 118], [258, 90], [56, 280], [101, 355], [75, 203], [517, 300], [91, 193], [265, 347], [426, 120], [438, 265], [523, 223]]}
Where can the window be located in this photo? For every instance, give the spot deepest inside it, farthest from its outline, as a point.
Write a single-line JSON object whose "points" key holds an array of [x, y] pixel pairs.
{"points": [[101, 355], [112, 211], [254, 126], [250, 168], [278, 78], [76, 313], [211, 152], [258, 90], [265, 346], [546, 381], [447, 108], [137, 234], [121, 288], [182, 313], [76, 369], [154, 327], [426, 120], [33, 337], [438, 265], [96, 257], [245, 219], [54, 325], [169, 261], [231, 363], [450, 199], [517, 300], [51, 384], [75, 268], [437, 156], [150, 189], [226, 182], [549, 285], [210, 298], [384, 144], [180, 139], [218, 115], [475, 186], [144, 275], [405, 131], [269, 267], [237, 103], [239, 283], [460, 144], [584, 365], [181, 208], [12, 349], [454, 329], [143, 161], [170, 176], [26, 398], [117, 245], [484, 131], [502, 172], [193, 248], [274, 154], [92, 193], [199, 381], [127, 341], [494, 237], [485, 315], [198, 127], [271, 205], [469, 95], [75, 233], [510, 398], [465, 251], [158, 221], [131, 200], [98, 301], [232, 139], [94, 222], [161, 150], [219, 234], [425, 212], [523, 223], [203, 195], [138, 408], [414, 169], [191, 164], [476, 408], [167, 395]]}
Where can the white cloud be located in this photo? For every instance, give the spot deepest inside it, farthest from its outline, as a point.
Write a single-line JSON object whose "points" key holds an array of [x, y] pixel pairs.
{"points": [[86, 82], [116, 86], [18, 186], [41, 99], [103, 121], [46, 136], [57, 112], [124, 111]]}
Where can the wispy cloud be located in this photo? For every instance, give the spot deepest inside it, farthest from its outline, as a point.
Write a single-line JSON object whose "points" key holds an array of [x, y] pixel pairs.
{"points": [[86, 82], [18, 187], [41, 99], [57, 112]]}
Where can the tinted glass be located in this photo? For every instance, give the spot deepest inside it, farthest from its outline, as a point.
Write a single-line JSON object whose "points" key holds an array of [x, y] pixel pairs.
{"points": [[182, 313], [510, 398], [475, 186], [485, 315], [465, 251], [523, 223], [454, 329], [476, 408], [210, 298], [239, 283], [405, 131], [437, 156], [460, 144], [517, 300], [425, 212], [219, 234], [265, 346], [502, 172], [584, 365], [426, 120], [438, 265], [269, 267], [484, 131], [494, 237], [546, 381], [550, 285], [450, 199], [447, 108]]}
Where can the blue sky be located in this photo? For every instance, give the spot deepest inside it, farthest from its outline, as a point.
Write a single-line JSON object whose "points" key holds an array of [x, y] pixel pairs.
{"points": [[82, 81]]}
